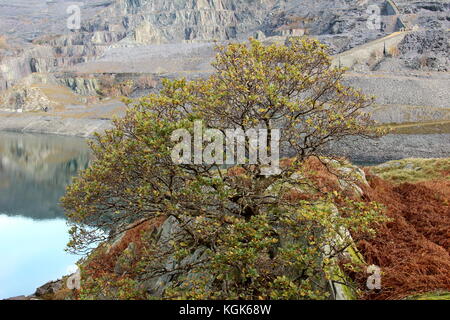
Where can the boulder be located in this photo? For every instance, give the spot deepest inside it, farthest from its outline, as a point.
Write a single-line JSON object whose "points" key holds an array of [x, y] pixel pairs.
{"points": [[51, 288]]}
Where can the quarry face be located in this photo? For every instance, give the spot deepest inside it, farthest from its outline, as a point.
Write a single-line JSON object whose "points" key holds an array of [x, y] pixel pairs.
{"points": [[64, 64]]}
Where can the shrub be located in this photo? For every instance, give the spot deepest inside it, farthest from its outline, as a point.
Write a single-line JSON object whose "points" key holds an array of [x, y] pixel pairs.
{"points": [[257, 241]]}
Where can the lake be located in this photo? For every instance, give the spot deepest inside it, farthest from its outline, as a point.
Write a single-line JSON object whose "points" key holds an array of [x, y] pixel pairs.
{"points": [[34, 171]]}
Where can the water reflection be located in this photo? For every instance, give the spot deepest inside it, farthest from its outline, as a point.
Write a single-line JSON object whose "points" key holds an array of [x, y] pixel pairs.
{"points": [[34, 170], [32, 253]]}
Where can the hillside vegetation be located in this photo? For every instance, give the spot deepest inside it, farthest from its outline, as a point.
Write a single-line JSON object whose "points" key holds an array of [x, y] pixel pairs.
{"points": [[414, 170], [413, 249]]}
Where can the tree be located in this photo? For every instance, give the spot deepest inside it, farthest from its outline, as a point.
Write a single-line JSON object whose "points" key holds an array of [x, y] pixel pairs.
{"points": [[261, 236]]}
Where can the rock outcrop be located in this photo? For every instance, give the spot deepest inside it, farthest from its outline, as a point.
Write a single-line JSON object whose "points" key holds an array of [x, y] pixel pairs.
{"points": [[23, 98], [426, 50]]}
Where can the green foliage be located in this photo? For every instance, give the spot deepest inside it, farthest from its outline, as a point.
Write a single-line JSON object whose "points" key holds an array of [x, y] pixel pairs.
{"points": [[111, 287], [431, 296], [251, 239], [282, 254]]}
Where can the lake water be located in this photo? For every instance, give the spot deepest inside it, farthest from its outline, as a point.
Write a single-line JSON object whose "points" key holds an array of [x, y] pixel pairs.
{"points": [[34, 171]]}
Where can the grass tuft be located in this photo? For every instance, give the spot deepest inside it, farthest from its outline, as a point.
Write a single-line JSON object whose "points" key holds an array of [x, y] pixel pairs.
{"points": [[414, 170]]}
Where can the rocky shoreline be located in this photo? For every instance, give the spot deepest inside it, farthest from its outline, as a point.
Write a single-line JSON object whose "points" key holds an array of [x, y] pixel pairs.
{"points": [[50, 288], [77, 127], [390, 147]]}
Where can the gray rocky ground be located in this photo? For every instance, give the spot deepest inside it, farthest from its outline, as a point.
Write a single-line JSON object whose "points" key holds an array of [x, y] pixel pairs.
{"points": [[394, 147], [81, 127]]}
